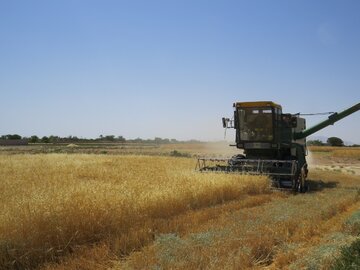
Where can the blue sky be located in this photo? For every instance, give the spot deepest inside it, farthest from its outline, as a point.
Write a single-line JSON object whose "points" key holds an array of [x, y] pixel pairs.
{"points": [[173, 68]]}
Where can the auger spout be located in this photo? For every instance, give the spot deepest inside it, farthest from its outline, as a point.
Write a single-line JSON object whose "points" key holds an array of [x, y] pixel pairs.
{"points": [[330, 121]]}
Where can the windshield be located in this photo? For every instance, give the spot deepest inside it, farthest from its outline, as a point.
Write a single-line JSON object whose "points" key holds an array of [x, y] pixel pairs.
{"points": [[255, 124]]}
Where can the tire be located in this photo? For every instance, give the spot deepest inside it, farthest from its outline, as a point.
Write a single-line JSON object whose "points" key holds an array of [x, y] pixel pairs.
{"points": [[301, 182]]}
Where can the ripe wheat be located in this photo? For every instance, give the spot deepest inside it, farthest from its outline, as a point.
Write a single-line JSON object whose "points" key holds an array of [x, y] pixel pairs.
{"points": [[51, 204]]}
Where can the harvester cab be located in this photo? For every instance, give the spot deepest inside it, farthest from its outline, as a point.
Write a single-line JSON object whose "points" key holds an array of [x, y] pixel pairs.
{"points": [[273, 143]]}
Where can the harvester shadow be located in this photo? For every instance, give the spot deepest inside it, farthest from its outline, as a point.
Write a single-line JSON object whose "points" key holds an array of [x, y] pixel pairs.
{"points": [[319, 185]]}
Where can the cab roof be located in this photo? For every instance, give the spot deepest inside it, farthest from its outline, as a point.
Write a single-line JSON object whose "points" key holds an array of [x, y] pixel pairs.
{"points": [[255, 104]]}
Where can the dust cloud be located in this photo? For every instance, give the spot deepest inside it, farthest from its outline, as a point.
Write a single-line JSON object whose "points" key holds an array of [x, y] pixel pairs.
{"points": [[310, 160], [221, 149]]}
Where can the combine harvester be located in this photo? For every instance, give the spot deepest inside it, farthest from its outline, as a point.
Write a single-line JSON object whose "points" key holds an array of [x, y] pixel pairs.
{"points": [[274, 144]]}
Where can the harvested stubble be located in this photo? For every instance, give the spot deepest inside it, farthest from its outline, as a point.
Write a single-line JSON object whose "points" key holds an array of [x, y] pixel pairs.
{"points": [[53, 204], [272, 235]]}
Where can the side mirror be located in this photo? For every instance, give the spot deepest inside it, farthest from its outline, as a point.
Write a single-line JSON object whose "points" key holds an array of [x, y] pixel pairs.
{"points": [[225, 122]]}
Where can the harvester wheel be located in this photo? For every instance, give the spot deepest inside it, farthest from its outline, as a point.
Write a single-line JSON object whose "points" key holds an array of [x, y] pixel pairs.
{"points": [[301, 187]]}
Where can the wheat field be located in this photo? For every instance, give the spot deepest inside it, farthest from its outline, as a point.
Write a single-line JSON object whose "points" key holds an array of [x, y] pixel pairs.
{"points": [[91, 211], [52, 205]]}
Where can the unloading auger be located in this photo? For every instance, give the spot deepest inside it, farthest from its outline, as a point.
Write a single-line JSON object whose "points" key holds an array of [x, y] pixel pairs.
{"points": [[274, 143]]}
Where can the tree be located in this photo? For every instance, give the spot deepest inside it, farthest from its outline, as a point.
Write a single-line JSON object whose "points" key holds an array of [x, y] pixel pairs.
{"points": [[138, 140], [109, 138], [335, 141], [11, 137], [71, 138], [121, 139], [45, 139], [54, 139], [34, 139]]}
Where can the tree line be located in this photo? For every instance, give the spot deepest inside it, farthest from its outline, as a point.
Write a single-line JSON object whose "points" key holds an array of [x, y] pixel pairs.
{"points": [[332, 141], [101, 138]]}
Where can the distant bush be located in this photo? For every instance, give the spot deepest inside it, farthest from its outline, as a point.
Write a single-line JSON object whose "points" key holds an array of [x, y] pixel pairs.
{"points": [[315, 143], [176, 153]]}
